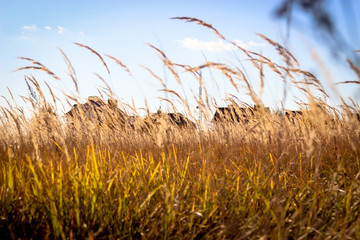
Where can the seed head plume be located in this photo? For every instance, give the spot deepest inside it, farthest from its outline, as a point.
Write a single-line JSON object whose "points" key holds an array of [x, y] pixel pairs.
{"points": [[202, 23], [71, 70], [355, 69], [106, 84], [168, 63], [155, 76], [51, 92], [33, 80], [281, 50], [32, 61], [94, 52], [39, 66], [158, 50], [170, 102], [172, 92], [120, 63], [31, 90]]}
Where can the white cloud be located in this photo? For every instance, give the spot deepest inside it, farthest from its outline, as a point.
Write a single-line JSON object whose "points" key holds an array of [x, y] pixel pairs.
{"points": [[219, 45], [30, 27], [60, 29], [240, 43], [81, 33], [211, 46], [262, 44]]}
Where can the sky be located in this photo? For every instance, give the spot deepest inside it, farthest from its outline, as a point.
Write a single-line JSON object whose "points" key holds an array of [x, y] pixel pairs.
{"points": [[39, 29]]}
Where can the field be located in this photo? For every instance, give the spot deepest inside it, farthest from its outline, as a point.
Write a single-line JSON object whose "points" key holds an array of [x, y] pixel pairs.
{"points": [[269, 177]]}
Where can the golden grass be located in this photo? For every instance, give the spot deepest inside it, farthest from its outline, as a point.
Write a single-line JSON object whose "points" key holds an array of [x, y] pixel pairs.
{"points": [[268, 178]]}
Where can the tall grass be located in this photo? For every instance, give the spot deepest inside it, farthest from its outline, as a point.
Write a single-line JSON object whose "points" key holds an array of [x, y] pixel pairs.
{"points": [[266, 178]]}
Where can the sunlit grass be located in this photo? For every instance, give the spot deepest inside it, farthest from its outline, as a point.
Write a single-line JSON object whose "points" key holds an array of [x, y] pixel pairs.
{"points": [[267, 178]]}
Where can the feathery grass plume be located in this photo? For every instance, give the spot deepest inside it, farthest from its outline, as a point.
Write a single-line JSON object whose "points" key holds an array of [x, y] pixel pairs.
{"points": [[155, 76], [147, 107], [11, 95], [250, 89], [106, 84], [205, 65], [120, 63], [310, 80], [94, 52], [33, 80], [282, 51], [70, 97], [29, 100], [356, 105], [100, 93], [200, 22], [71, 71], [7, 102], [174, 93], [251, 54], [158, 50], [228, 72], [31, 90], [355, 69], [40, 67], [51, 93], [173, 72], [32, 61], [168, 63], [356, 82], [261, 75], [171, 103], [17, 122]]}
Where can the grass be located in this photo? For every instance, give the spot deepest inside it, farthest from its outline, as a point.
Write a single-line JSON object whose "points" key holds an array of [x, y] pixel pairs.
{"points": [[270, 178]]}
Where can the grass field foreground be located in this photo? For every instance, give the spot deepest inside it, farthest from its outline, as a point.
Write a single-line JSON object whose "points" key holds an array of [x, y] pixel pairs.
{"points": [[269, 178]]}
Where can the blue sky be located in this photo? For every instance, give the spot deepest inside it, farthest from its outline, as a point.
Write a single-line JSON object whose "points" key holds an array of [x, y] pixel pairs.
{"points": [[35, 29]]}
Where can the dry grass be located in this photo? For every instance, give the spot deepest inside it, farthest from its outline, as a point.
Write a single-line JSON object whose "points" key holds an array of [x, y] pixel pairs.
{"points": [[268, 178]]}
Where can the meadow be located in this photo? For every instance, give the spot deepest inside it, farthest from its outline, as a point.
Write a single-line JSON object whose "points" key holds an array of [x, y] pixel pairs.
{"points": [[270, 177]]}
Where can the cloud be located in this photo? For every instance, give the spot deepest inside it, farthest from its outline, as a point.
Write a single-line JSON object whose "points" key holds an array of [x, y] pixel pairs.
{"points": [[211, 46], [48, 28], [60, 29], [30, 27], [262, 44], [240, 43], [219, 45]]}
